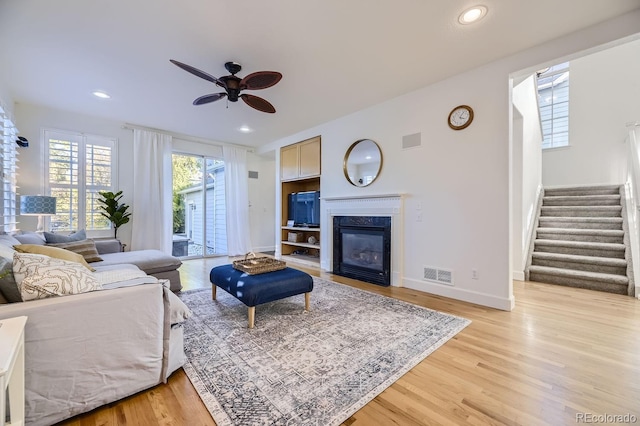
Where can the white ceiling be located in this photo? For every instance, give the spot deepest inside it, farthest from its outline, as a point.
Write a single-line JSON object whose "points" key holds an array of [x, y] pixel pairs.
{"points": [[337, 56]]}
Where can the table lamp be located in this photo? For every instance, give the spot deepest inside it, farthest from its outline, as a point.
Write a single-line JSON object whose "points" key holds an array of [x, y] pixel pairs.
{"points": [[38, 205]]}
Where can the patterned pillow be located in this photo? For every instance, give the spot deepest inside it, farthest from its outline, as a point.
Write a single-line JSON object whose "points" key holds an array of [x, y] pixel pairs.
{"points": [[85, 248], [57, 238], [55, 252], [40, 276]]}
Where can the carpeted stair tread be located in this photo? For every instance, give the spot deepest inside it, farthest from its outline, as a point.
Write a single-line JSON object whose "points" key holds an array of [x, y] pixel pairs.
{"points": [[581, 222], [564, 243], [584, 190], [581, 200], [583, 248], [586, 275], [592, 260], [572, 234], [605, 265], [580, 279], [581, 211], [607, 232]]}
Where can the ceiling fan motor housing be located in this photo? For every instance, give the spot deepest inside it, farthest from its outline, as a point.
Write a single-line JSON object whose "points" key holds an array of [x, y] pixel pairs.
{"points": [[231, 84]]}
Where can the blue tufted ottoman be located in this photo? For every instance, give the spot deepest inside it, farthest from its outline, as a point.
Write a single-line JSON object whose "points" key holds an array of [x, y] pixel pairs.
{"points": [[257, 289]]}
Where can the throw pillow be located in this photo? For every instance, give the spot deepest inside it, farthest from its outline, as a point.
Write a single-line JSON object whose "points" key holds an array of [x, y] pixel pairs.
{"points": [[54, 252], [85, 248], [30, 238], [52, 238], [40, 276], [8, 287]]}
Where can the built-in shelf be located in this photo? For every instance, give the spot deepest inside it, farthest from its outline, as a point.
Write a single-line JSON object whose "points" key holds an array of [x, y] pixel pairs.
{"points": [[302, 258], [307, 245], [300, 228]]}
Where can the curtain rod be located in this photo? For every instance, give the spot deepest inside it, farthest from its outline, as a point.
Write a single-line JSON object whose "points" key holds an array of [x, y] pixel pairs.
{"points": [[129, 126]]}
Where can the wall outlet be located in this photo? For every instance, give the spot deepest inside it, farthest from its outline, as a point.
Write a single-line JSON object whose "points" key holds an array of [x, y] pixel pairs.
{"points": [[474, 274]]}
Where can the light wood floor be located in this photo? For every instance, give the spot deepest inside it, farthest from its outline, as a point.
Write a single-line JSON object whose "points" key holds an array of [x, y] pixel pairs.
{"points": [[561, 352]]}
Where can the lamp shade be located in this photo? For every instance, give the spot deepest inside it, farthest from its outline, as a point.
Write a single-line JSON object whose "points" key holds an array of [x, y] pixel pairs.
{"points": [[37, 205]]}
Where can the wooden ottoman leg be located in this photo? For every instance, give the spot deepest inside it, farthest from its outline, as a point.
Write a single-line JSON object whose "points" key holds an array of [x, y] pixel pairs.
{"points": [[307, 301], [252, 315], [213, 291]]}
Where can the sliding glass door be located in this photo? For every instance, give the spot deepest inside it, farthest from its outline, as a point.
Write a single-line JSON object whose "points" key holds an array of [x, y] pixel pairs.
{"points": [[199, 213]]}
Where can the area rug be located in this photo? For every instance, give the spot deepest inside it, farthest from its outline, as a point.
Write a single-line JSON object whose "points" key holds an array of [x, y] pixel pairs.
{"points": [[296, 367]]}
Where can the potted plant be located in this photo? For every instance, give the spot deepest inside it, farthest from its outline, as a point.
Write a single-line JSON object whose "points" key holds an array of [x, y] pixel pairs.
{"points": [[113, 210]]}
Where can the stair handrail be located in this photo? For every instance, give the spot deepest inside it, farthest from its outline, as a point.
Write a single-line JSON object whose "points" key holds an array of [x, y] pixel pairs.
{"points": [[632, 197]]}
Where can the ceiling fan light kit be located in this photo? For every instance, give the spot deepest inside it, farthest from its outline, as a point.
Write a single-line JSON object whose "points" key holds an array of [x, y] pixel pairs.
{"points": [[233, 85]]}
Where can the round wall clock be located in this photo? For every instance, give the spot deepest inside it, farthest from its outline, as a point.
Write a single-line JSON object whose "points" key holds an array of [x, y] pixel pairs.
{"points": [[460, 117]]}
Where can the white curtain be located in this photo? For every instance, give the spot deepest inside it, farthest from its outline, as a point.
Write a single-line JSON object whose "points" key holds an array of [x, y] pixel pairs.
{"points": [[237, 200], [152, 214]]}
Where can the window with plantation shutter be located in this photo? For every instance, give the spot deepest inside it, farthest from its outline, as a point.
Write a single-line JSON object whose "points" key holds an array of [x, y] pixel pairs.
{"points": [[79, 166], [8, 174]]}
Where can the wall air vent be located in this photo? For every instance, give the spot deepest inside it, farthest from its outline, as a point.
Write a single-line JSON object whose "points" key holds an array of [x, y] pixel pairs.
{"points": [[438, 275], [411, 141]]}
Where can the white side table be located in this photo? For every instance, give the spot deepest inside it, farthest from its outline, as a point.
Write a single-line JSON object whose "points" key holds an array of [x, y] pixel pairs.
{"points": [[12, 370]]}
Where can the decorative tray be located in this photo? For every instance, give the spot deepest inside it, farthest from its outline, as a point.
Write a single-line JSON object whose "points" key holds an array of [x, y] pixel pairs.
{"points": [[258, 265]]}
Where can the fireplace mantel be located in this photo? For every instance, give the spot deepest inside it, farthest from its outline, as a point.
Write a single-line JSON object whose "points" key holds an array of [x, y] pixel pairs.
{"points": [[388, 205], [363, 197]]}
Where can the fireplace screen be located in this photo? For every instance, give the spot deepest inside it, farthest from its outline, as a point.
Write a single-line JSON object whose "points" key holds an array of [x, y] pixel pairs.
{"points": [[362, 248]]}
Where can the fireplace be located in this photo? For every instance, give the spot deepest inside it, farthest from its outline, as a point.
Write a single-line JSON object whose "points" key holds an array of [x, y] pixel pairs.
{"points": [[362, 248]]}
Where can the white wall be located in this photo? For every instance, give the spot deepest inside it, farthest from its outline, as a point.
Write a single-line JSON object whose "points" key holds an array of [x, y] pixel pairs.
{"points": [[31, 119], [461, 179], [527, 162], [262, 202], [604, 89]]}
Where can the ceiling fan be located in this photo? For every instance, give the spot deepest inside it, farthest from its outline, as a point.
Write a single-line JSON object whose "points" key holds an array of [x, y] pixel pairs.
{"points": [[234, 85]]}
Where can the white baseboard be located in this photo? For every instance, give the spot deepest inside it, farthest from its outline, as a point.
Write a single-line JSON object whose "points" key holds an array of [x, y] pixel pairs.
{"points": [[518, 275], [263, 249], [504, 304]]}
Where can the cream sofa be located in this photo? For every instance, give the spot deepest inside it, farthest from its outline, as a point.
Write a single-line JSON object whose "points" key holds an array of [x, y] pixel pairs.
{"points": [[86, 350]]}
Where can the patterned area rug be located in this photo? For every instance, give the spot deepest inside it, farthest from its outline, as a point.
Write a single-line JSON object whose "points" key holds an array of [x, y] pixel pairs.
{"points": [[298, 367]]}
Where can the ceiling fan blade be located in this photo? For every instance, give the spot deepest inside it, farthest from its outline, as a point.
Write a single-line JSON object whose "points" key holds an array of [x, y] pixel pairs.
{"points": [[258, 103], [209, 98], [195, 71], [260, 80]]}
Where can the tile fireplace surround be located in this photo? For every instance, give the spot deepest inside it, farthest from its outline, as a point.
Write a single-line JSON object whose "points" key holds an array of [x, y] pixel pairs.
{"points": [[388, 205]]}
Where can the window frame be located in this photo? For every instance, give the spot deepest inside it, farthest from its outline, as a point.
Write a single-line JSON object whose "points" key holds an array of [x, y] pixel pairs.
{"points": [[83, 140], [562, 72], [8, 172]]}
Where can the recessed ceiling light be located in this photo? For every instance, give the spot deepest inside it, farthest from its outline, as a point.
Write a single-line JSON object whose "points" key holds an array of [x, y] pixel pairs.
{"points": [[245, 129], [100, 94], [472, 15]]}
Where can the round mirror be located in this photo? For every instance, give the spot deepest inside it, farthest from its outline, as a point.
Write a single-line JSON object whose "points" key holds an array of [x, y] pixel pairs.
{"points": [[362, 162]]}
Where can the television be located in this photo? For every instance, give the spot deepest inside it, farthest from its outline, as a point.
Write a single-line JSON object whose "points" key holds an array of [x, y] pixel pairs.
{"points": [[304, 208]]}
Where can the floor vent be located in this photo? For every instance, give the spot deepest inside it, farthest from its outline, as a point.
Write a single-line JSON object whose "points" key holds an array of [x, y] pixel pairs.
{"points": [[441, 276]]}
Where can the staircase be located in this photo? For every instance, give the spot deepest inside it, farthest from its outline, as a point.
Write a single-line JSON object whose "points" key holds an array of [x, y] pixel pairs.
{"points": [[580, 240]]}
